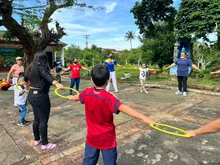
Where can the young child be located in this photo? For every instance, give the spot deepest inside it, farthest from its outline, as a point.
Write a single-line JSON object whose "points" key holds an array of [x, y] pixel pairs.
{"points": [[142, 76], [99, 108], [21, 100]]}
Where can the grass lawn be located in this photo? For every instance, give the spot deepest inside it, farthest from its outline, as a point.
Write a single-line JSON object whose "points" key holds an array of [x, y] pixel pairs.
{"points": [[160, 78]]}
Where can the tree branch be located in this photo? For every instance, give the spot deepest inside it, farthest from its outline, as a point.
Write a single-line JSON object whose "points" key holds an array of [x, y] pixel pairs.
{"points": [[13, 26], [32, 7]]}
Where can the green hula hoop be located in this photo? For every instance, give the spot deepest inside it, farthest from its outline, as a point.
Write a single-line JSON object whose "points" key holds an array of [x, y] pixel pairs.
{"points": [[168, 132], [65, 97]]}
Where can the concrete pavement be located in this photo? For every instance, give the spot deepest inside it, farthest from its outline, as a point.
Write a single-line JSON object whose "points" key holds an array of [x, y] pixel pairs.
{"points": [[138, 144]]}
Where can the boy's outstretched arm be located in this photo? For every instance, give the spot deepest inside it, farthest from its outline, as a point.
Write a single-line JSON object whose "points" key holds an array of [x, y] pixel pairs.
{"points": [[211, 127], [216, 72], [131, 112], [74, 98]]}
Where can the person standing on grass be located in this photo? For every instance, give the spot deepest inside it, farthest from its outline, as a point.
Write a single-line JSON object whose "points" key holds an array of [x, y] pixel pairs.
{"points": [[75, 74], [182, 72], [100, 105], [40, 79], [15, 70], [110, 63]]}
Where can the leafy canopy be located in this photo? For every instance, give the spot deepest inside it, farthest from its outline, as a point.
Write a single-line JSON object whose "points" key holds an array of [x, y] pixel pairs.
{"points": [[148, 12], [198, 18]]}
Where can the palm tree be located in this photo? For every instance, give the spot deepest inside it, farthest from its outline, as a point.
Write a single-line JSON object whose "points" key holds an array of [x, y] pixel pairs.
{"points": [[130, 36]]}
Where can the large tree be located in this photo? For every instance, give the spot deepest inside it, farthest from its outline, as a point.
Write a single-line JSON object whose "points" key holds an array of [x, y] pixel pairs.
{"points": [[155, 19], [34, 40], [149, 12], [158, 49], [197, 19]]}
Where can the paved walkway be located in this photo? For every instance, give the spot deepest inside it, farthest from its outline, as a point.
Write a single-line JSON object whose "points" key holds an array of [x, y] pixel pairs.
{"points": [[138, 144]]}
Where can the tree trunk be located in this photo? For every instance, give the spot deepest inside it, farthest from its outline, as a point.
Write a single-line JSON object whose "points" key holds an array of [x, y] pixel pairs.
{"points": [[28, 55]]}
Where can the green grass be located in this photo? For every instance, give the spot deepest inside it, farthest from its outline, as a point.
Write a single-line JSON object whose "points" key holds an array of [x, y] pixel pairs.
{"points": [[161, 78]]}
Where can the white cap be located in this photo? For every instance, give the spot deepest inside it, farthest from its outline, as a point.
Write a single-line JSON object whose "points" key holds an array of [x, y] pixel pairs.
{"points": [[19, 58]]}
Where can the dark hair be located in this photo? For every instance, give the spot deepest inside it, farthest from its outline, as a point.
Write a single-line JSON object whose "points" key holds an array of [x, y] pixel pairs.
{"points": [[100, 75], [40, 57], [20, 75]]}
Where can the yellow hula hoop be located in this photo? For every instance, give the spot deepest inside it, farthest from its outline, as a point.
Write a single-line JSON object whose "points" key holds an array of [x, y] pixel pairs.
{"points": [[65, 97], [19, 88], [168, 132]]}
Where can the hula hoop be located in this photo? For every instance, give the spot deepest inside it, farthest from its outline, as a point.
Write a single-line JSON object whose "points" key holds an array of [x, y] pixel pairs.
{"points": [[65, 97], [168, 132], [19, 88]]}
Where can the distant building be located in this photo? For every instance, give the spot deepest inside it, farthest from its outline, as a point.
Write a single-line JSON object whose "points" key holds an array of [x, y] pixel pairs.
{"points": [[9, 50], [112, 50]]}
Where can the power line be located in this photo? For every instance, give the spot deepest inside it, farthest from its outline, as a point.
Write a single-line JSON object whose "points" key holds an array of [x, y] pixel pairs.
{"points": [[86, 37]]}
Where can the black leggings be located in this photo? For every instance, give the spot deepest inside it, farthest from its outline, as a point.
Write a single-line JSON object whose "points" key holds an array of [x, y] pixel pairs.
{"points": [[41, 107], [182, 82]]}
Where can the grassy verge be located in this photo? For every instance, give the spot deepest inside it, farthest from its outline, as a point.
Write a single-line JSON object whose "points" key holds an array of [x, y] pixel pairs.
{"points": [[161, 78]]}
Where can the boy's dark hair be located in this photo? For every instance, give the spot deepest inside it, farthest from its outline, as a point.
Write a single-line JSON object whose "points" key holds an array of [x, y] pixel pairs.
{"points": [[100, 75], [20, 76]]}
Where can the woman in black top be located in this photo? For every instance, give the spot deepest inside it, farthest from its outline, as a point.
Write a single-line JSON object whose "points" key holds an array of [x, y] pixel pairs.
{"points": [[38, 74]]}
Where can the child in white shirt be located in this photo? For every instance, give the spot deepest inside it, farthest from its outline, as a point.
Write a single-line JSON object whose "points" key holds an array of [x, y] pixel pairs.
{"points": [[21, 100], [142, 76]]}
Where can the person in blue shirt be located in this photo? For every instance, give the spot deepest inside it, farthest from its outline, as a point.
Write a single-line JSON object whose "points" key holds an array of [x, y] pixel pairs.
{"points": [[110, 63], [182, 72]]}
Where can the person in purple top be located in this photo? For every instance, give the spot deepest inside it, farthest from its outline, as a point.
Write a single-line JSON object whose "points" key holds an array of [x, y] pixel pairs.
{"points": [[182, 72]]}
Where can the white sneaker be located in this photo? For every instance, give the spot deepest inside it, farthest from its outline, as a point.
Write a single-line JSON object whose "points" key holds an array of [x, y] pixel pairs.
{"points": [[141, 90], [179, 93], [184, 93], [146, 91]]}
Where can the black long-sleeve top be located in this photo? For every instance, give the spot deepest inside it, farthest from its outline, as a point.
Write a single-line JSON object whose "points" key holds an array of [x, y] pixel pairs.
{"points": [[40, 77]]}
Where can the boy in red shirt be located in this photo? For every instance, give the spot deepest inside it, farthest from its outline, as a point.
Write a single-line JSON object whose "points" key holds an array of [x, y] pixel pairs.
{"points": [[99, 108]]}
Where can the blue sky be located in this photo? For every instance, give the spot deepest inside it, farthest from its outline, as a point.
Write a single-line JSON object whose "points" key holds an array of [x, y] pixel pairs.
{"points": [[106, 27]]}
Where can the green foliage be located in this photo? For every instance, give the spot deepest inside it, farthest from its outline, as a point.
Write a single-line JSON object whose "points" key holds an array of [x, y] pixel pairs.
{"points": [[197, 18], [155, 19], [32, 22], [205, 71], [206, 55], [73, 51], [8, 37], [130, 57], [87, 57], [158, 49], [147, 12]]}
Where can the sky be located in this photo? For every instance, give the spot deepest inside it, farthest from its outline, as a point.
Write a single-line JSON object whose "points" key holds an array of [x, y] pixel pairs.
{"points": [[106, 28]]}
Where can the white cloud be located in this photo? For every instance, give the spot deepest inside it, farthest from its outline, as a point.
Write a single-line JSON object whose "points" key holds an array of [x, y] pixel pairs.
{"points": [[74, 30], [118, 43], [110, 6]]}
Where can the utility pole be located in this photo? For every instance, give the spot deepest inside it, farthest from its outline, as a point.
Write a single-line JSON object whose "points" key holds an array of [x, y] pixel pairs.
{"points": [[86, 37]]}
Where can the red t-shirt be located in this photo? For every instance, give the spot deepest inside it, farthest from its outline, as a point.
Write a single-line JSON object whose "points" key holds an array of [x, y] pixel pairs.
{"points": [[75, 68], [99, 108]]}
